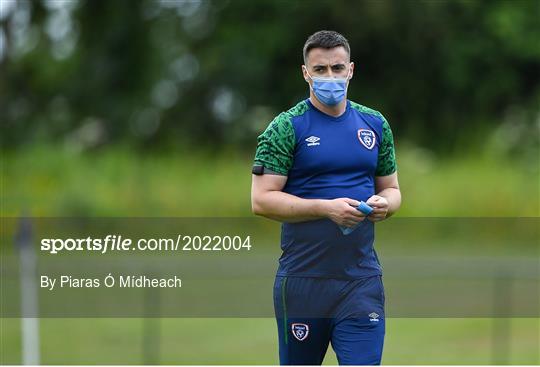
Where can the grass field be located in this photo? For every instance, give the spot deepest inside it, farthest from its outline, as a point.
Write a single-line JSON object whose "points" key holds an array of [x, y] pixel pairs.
{"points": [[253, 341], [46, 181]]}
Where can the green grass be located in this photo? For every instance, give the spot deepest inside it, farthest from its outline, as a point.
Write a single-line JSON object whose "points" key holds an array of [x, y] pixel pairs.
{"points": [[254, 341], [48, 181]]}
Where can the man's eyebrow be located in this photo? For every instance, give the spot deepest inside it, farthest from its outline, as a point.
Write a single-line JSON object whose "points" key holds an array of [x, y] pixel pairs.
{"points": [[325, 65]]}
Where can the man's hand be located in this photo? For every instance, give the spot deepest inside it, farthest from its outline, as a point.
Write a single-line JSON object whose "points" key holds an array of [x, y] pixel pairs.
{"points": [[343, 212], [380, 208]]}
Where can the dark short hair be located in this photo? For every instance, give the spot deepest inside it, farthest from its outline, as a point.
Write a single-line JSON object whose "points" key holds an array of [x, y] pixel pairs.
{"points": [[325, 39]]}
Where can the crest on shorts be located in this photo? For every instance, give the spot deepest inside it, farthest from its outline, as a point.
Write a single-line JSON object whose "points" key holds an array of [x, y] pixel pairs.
{"points": [[300, 331], [367, 138]]}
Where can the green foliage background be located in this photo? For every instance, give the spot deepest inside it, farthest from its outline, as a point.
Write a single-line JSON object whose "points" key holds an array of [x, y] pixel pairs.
{"points": [[165, 73]]}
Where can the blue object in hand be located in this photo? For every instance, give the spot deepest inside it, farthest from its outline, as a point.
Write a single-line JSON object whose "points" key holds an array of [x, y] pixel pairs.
{"points": [[365, 209]]}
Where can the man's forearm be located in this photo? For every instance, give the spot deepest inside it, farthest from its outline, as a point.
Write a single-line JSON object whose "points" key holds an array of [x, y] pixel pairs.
{"points": [[285, 207], [393, 196]]}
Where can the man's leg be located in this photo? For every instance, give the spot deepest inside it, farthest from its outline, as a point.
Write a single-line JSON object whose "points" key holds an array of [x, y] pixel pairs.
{"points": [[358, 333], [359, 341], [302, 340]]}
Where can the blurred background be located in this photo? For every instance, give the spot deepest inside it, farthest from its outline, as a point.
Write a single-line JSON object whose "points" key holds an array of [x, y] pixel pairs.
{"points": [[152, 108]]}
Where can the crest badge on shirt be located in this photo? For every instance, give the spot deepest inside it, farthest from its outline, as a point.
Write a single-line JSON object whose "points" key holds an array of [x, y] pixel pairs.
{"points": [[367, 138], [300, 331]]}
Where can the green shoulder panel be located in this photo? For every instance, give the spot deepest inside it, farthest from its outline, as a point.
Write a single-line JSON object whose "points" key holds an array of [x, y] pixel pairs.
{"points": [[275, 146], [386, 161], [364, 109]]}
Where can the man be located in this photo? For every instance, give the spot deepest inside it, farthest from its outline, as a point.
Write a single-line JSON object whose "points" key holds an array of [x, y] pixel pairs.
{"points": [[313, 165]]}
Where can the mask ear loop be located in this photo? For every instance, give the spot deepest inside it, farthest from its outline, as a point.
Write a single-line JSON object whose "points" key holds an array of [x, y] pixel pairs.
{"points": [[310, 77], [308, 74]]}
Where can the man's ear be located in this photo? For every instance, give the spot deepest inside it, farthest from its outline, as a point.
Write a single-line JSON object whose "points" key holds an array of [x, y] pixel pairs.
{"points": [[304, 73], [352, 70]]}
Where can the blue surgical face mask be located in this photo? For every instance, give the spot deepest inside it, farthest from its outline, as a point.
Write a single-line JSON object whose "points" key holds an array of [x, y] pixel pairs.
{"points": [[329, 91]]}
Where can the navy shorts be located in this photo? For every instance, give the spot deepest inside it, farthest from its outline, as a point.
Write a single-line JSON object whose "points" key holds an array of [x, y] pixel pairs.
{"points": [[313, 312]]}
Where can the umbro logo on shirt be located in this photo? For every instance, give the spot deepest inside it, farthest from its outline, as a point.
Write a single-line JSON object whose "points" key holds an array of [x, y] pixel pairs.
{"points": [[374, 317], [313, 140]]}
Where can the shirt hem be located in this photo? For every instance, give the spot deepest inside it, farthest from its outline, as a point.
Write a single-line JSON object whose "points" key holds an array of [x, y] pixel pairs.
{"points": [[328, 276]]}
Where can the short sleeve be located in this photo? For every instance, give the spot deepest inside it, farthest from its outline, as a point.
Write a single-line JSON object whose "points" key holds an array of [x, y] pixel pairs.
{"points": [[386, 162], [275, 146]]}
